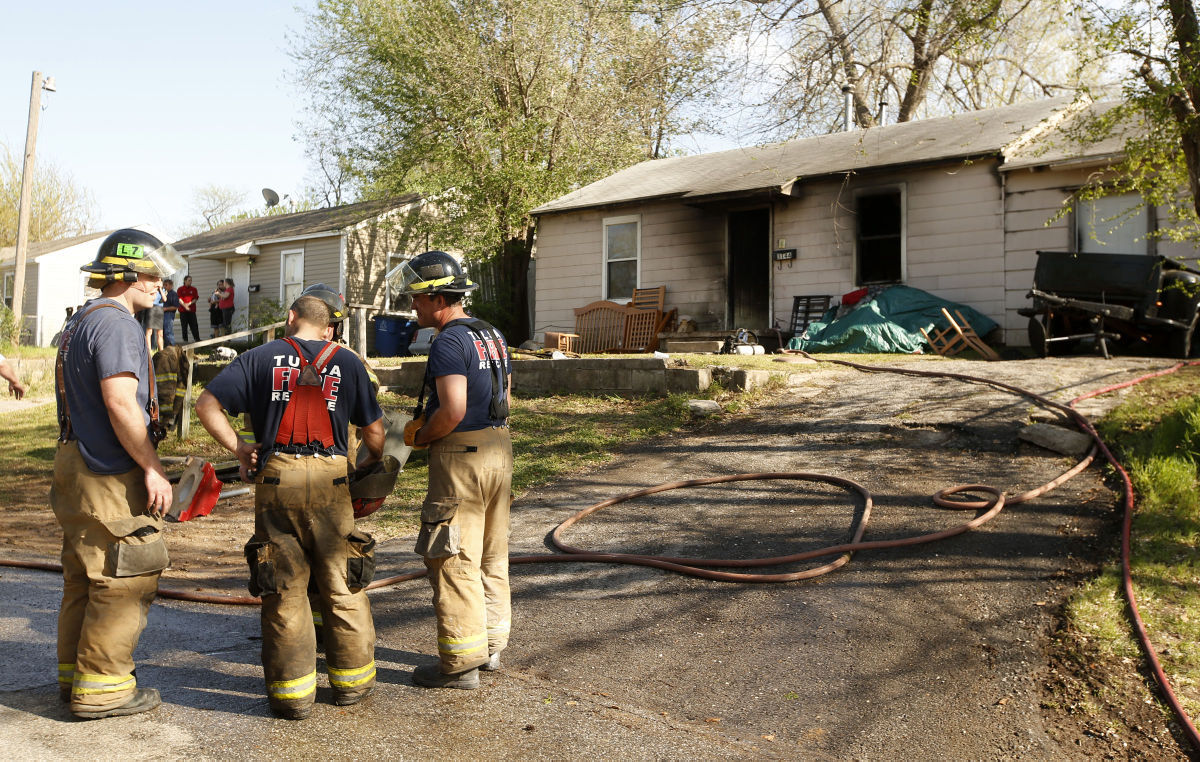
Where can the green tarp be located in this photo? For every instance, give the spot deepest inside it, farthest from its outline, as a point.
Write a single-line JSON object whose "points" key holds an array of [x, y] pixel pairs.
{"points": [[890, 322]]}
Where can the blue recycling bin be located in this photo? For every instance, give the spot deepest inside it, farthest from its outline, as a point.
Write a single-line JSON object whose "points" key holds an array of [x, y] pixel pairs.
{"points": [[392, 334]]}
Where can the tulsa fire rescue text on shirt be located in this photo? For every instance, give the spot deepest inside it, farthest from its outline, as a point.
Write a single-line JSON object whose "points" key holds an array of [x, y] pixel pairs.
{"points": [[286, 375]]}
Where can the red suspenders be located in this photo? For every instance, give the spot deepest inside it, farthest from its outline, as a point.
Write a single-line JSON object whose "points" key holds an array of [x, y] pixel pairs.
{"points": [[306, 418]]}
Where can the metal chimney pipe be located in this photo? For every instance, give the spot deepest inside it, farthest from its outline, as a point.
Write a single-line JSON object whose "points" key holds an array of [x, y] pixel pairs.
{"points": [[848, 97], [882, 114]]}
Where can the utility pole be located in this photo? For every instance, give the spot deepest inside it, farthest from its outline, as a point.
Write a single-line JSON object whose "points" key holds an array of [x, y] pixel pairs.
{"points": [[23, 211]]}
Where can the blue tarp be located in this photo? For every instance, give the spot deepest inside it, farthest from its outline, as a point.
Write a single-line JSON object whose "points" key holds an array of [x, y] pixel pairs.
{"points": [[890, 322]]}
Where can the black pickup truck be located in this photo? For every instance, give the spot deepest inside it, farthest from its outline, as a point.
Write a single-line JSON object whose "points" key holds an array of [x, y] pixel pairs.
{"points": [[1136, 299]]}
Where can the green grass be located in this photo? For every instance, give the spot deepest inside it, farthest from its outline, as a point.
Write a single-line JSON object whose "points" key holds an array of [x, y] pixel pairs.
{"points": [[552, 436], [27, 457], [8, 350], [1156, 435]]}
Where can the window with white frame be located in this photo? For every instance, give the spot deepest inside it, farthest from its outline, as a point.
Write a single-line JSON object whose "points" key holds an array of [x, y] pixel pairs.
{"points": [[622, 256], [1114, 225], [8, 289], [879, 236], [291, 273]]}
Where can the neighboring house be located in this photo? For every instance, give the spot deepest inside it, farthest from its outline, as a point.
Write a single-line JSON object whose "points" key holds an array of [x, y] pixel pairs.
{"points": [[956, 206], [272, 259], [53, 281]]}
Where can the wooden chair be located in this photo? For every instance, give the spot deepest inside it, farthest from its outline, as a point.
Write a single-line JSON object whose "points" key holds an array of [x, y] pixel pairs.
{"points": [[957, 337], [600, 326], [649, 298], [641, 331], [806, 309]]}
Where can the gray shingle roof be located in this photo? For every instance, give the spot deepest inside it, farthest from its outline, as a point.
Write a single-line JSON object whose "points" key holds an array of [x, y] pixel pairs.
{"points": [[1064, 146], [973, 134], [297, 224]]}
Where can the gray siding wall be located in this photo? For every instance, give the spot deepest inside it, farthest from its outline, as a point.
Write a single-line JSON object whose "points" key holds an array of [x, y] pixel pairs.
{"points": [[681, 247], [954, 237], [1033, 198], [954, 247]]}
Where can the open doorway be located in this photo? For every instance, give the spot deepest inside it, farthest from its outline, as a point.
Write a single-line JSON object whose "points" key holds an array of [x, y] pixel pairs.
{"points": [[750, 269]]}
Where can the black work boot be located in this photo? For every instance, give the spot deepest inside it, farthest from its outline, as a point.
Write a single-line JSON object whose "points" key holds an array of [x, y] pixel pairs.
{"points": [[143, 700], [432, 676], [349, 699], [492, 664], [291, 711]]}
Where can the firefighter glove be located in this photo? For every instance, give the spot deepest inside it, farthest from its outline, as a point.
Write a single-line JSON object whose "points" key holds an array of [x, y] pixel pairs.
{"points": [[410, 433]]}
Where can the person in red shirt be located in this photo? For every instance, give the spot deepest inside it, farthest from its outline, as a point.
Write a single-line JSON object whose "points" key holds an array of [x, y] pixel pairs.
{"points": [[226, 305], [188, 296]]}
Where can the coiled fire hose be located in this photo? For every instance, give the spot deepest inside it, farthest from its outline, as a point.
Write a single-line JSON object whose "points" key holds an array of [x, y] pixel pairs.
{"points": [[694, 566]]}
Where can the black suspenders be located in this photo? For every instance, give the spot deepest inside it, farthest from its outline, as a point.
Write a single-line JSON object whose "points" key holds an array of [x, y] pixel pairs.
{"points": [[498, 407]]}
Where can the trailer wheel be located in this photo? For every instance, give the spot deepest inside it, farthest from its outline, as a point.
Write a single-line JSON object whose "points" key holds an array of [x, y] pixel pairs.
{"points": [[1038, 337], [1185, 343]]}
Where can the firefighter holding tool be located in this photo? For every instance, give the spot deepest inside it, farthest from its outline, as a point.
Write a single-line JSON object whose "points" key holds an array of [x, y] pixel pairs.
{"points": [[301, 392], [109, 491], [464, 519]]}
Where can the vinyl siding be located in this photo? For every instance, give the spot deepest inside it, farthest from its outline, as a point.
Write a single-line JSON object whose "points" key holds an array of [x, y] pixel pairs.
{"points": [[953, 237], [681, 247], [1034, 201]]}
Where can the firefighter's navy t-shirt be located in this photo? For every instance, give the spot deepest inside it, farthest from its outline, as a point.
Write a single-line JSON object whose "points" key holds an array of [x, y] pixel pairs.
{"points": [[457, 351], [103, 342], [260, 381]]}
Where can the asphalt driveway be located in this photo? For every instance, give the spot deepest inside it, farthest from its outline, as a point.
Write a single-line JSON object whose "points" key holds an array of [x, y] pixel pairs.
{"points": [[936, 651]]}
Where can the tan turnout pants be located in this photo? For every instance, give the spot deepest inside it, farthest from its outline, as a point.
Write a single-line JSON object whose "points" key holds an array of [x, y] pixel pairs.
{"points": [[464, 539], [112, 556], [304, 528]]}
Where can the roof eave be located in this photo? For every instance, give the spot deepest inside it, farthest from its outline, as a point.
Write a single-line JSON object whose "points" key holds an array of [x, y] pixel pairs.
{"points": [[1077, 162], [604, 204]]}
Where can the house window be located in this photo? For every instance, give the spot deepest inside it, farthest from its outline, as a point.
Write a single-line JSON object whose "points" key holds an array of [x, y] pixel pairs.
{"points": [[622, 255], [1114, 225], [8, 289], [880, 236], [291, 275]]}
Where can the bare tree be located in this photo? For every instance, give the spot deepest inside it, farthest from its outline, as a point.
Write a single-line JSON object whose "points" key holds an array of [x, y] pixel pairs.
{"points": [[60, 207], [215, 205], [919, 56]]}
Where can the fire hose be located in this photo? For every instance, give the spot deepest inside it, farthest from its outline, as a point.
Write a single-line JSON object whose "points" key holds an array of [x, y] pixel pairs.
{"points": [[988, 509]]}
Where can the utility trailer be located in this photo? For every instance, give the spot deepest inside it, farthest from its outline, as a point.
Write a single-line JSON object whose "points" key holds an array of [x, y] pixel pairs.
{"points": [[1113, 297]]}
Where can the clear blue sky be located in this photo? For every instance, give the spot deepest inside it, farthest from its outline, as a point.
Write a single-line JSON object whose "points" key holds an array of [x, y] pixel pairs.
{"points": [[157, 99]]}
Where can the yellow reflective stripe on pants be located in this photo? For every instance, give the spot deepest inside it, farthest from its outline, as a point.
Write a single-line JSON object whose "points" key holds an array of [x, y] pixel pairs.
{"points": [[462, 646], [85, 684], [500, 628], [351, 678], [318, 619], [66, 673], [293, 689]]}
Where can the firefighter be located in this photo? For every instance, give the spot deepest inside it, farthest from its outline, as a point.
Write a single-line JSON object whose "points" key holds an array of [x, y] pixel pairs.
{"points": [[301, 393], [464, 519], [109, 491]]}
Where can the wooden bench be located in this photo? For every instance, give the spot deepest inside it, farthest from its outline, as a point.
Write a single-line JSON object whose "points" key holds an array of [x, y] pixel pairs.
{"points": [[600, 326], [610, 327]]}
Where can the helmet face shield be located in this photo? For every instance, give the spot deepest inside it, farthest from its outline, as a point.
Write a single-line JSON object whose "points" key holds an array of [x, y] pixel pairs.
{"points": [[429, 273], [163, 261], [403, 279]]}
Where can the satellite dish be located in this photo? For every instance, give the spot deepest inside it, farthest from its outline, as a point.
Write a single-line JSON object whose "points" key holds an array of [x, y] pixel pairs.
{"points": [[271, 197]]}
